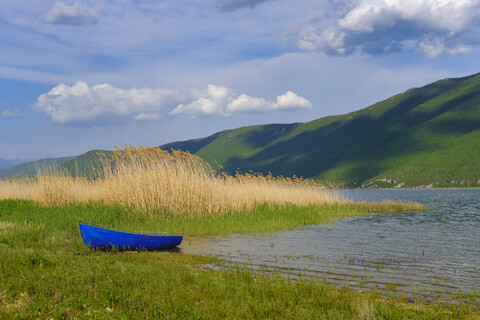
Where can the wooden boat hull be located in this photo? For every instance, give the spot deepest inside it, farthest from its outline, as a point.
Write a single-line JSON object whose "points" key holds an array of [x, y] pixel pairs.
{"points": [[101, 237]]}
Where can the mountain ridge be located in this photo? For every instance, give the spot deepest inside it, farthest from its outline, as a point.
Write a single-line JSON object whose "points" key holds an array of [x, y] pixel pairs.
{"points": [[424, 137], [30, 168], [382, 145], [8, 163]]}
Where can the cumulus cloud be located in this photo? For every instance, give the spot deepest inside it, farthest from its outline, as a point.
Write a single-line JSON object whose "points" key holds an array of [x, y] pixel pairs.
{"points": [[11, 113], [291, 101], [232, 5], [447, 27], [83, 103], [213, 101], [75, 15], [223, 101], [100, 104]]}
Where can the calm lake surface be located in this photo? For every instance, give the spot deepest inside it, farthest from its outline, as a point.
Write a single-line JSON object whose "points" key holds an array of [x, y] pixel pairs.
{"points": [[422, 255]]}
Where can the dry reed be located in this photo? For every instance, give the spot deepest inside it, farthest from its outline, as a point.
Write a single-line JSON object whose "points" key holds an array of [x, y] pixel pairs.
{"points": [[158, 181]]}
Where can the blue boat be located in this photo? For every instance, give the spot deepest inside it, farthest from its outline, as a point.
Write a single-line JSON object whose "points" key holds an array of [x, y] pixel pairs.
{"points": [[101, 237]]}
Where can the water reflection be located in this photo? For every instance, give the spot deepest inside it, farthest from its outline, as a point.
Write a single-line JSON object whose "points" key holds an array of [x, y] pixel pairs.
{"points": [[426, 254]]}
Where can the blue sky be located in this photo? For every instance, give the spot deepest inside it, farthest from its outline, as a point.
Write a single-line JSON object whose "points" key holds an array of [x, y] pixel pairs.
{"points": [[82, 75]]}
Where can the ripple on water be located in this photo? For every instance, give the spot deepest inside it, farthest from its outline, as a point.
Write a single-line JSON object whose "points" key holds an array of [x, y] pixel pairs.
{"points": [[422, 254]]}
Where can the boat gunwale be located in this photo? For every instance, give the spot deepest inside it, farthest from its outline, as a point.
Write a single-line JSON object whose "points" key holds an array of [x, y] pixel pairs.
{"points": [[140, 233]]}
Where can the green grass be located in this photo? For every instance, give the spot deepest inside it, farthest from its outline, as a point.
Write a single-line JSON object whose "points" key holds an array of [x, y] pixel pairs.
{"points": [[47, 272], [263, 218]]}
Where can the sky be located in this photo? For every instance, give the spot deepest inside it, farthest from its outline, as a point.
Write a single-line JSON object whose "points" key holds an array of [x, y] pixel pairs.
{"points": [[83, 75]]}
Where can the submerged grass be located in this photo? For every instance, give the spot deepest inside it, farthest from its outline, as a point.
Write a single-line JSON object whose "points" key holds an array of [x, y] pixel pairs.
{"points": [[47, 272]]}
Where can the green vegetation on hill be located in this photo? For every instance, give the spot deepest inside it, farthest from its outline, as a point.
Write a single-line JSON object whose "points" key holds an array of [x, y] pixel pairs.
{"points": [[5, 164], [86, 164], [29, 169], [426, 136]]}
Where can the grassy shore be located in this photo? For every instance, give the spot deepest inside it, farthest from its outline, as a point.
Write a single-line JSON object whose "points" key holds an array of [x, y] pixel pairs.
{"points": [[165, 183], [47, 272]]}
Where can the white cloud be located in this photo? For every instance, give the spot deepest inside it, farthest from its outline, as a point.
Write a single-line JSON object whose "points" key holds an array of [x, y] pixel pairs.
{"points": [[460, 50], [147, 116], [291, 101], [436, 48], [210, 102], [370, 15], [384, 26], [329, 41], [11, 113], [432, 49], [247, 103], [103, 103], [223, 101], [75, 15], [82, 103], [284, 102]]}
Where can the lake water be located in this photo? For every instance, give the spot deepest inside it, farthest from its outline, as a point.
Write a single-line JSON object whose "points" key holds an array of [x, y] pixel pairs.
{"points": [[421, 255]]}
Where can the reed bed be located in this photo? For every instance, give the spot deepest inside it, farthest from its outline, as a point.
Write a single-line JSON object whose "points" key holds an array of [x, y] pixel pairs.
{"points": [[157, 181], [386, 206]]}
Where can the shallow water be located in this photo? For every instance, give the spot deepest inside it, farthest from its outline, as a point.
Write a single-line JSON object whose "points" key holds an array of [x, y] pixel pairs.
{"points": [[422, 255]]}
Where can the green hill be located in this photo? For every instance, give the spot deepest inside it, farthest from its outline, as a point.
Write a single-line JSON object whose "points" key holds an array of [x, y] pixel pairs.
{"points": [[30, 168], [81, 165], [87, 164], [5, 164], [426, 136]]}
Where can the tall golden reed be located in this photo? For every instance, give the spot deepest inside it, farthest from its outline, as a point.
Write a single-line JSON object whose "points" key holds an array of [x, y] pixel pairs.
{"points": [[173, 182]]}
